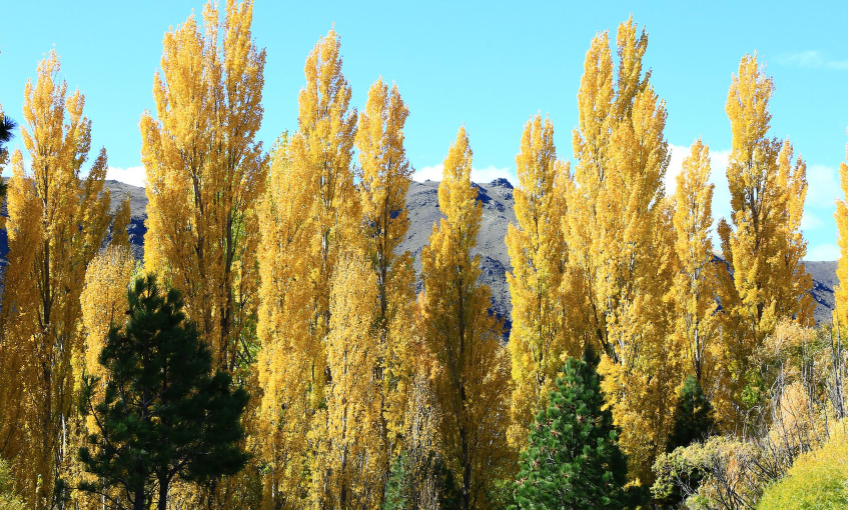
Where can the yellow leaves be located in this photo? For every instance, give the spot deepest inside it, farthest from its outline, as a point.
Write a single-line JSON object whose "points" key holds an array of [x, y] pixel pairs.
{"points": [[104, 299], [619, 235], [352, 455], [309, 217], [695, 285], [841, 215], [764, 246], [205, 172], [57, 223], [539, 339], [471, 380]]}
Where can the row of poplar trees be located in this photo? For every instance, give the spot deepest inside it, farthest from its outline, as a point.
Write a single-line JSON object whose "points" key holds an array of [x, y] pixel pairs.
{"points": [[288, 263]]}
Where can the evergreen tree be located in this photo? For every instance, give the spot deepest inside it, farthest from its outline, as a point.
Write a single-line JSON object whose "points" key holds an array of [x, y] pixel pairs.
{"points": [[162, 415], [573, 459], [693, 421], [693, 417]]}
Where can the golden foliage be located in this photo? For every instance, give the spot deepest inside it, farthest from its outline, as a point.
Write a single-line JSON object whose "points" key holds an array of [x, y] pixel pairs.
{"points": [[540, 340], [120, 236], [384, 181], [205, 174], [471, 381], [841, 215], [620, 240], [309, 216], [764, 246], [695, 285], [351, 438], [57, 222], [104, 300]]}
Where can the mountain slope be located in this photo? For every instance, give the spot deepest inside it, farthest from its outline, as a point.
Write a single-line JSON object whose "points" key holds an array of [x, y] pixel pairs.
{"points": [[423, 206]]}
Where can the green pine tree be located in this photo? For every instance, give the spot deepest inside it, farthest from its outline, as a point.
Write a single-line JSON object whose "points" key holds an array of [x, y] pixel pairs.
{"points": [[573, 459], [162, 415], [693, 416], [693, 421]]}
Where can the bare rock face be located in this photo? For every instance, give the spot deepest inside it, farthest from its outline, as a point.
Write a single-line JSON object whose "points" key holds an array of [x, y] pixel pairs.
{"points": [[423, 208], [422, 203]]}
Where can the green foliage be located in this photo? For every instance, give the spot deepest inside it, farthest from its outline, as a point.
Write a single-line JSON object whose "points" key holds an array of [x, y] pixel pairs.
{"points": [[693, 422], [161, 415], [693, 417], [818, 480], [573, 459]]}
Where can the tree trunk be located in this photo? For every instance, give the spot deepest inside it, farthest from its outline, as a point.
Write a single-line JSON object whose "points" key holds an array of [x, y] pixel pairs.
{"points": [[163, 494], [138, 503]]}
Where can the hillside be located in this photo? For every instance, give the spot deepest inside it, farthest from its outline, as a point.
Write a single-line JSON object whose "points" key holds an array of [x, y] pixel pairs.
{"points": [[423, 205]]}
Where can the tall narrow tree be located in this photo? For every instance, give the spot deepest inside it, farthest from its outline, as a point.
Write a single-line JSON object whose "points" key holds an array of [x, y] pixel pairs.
{"points": [[762, 244], [350, 464], [205, 173], [695, 285], [471, 384], [539, 337], [57, 222], [384, 182], [841, 215], [309, 215], [620, 241]]}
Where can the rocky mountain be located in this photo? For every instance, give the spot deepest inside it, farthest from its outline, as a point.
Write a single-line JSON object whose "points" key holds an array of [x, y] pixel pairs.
{"points": [[423, 205]]}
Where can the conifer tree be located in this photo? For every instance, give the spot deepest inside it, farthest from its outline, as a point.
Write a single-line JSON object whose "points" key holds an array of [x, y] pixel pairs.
{"points": [[539, 336], [471, 384], [57, 222], [7, 132], [309, 216], [162, 415], [693, 416], [205, 173], [695, 285], [573, 459], [620, 237], [762, 243]]}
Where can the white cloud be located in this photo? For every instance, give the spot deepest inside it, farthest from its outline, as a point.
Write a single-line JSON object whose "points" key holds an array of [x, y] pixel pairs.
{"points": [[810, 221], [133, 175], [822, 187], [823, 252], [478, 175], [811, 59]]}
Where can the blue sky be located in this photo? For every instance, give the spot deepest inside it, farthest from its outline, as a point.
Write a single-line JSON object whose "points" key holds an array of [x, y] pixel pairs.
{"points": [[490, 65]]}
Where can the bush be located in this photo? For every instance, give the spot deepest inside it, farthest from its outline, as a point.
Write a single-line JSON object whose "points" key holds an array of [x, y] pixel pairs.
{"points": [[818, 480]]}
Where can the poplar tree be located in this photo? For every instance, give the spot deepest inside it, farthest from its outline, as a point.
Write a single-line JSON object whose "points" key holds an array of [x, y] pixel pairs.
{"points": [[762, 242], [471, 384], [385, 177], [695, 285], [104, 300], [539, 337], [841, 216], [205, 173], [620, 238], [350, 463], [58, 219], [310, 215]]}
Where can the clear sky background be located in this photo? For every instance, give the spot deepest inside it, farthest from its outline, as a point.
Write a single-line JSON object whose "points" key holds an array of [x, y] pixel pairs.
{"points": [[490, 65]]}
